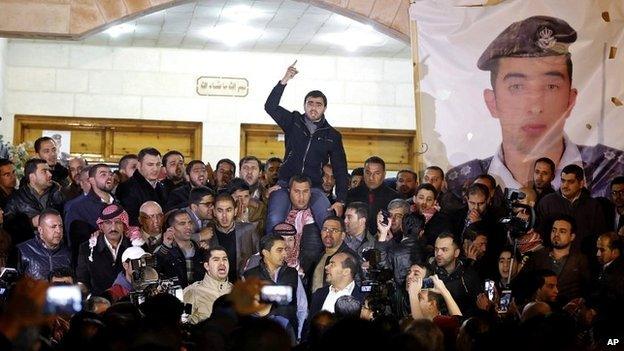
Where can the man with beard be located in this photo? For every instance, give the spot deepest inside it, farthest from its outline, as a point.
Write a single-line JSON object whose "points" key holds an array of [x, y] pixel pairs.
{"points": [[8, 181], [406, 183], [224, 174], [174, 167], [81, 219], [329, 181], [179, 256], [47, 150], [250, 169], [570, 266], [99, 258], [143, 185], [543, 175], [250, 210], [73, 189], [271, 170], [198, 177]]}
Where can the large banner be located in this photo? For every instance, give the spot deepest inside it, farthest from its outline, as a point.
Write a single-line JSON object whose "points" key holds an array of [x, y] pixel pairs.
{"points": [[505, 85]]}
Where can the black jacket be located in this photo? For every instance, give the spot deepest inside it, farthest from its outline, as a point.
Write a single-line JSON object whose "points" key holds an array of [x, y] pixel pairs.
{"points": [[310, 273], [135, 191], [99, 272], [464, 285], [37, 261], [319, 296], [307, 153], [23, 206], [170, 263], [382, 196], [178, 197]]}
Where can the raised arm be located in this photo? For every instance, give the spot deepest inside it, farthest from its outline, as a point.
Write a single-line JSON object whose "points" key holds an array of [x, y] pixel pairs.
{"points": [[280, 115]]}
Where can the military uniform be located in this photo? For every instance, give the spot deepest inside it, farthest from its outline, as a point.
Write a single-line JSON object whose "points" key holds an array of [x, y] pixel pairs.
{"points": [[539, 36]]}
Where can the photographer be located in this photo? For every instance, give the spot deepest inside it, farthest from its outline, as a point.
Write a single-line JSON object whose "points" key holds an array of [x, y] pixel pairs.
{"points": [[122, 286]]}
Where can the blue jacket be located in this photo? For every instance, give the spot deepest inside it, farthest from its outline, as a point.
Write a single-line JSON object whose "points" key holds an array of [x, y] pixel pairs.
{"points": [[307, 153]]}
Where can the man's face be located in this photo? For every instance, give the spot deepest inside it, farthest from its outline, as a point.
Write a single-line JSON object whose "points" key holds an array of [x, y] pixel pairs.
{"points": [[397, 215], [356, 180], [197, 175], [300, 194], [225, 172], [617, 194], [51, 231], [549, 291], [328, 179], [333, 270], [103, 179], [84, 182], [314, 108], [504, 265], [433, 177], [570, 186], [149, 167], [477, 202], [353, 223], [75, 167], [604, 253], [424, 200], [542, 175], [182, 227], [175, 167], [151, 219], [8, 180], [277, 255], [242, 196], [224, 212], [481, 243], [113, 229], [271, 173], [332, 234], [531, 99], [488, 184], [406, 184], [131, 166], [48, 152], [42, 178], [374, 175], [218, 265], [445, 252], [204, 209], [250, 172], [561, 234]]}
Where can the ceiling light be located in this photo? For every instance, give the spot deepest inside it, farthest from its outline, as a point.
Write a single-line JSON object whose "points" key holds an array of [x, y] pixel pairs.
{"points": [[232, 34], [241, 13], [120, 29], [354, 38]]}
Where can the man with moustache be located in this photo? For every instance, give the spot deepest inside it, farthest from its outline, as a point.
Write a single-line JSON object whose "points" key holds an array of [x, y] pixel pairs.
{"points": [[73, 189], [173, 161], [532, 96], [250, 169], [543, 175], [47, 149], [198, 177], [8, 181], [406, 183], [99, 258]]}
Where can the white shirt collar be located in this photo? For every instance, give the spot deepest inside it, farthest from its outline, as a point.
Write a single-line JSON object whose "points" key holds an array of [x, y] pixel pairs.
{"points": [[504, 178], [110, 247]]}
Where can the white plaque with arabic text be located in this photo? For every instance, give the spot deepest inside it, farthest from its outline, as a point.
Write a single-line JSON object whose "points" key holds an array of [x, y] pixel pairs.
{"points": [[222, 86]]}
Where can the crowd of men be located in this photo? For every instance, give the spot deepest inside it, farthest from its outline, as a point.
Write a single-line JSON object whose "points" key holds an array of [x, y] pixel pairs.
{"points": [[299, 253]]}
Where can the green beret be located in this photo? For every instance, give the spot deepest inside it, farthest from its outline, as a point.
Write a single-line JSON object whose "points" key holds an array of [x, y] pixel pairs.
{"points": [[536, 36]]}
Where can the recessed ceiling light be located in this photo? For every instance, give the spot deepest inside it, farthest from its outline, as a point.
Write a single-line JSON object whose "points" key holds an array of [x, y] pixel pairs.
{"points": [[120, 29], [241, 13], [232, 34]]}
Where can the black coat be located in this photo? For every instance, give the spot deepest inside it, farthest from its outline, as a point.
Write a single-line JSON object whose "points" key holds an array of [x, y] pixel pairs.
{"points": [[307, 153], [382, 196], [135, 191], [607, 295], [23, 206], [37, 261], [170, 263], [99, 273], [319, 296], [464, 285], [178, 197]]}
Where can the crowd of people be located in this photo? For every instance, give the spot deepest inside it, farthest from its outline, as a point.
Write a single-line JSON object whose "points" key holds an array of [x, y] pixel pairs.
{"points": [[298, 253]]}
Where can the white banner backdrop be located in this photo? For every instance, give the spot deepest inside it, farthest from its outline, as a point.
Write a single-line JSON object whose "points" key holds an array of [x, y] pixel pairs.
{"points": [[459, 128]]}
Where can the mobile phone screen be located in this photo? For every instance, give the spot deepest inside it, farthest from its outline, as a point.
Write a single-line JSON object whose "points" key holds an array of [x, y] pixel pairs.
{"points": [[505, 300], [279, 294], [489, 289], [63, 299]]}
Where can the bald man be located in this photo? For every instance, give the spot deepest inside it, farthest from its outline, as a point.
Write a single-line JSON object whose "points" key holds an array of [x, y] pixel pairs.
{"points": [[151, 220]]}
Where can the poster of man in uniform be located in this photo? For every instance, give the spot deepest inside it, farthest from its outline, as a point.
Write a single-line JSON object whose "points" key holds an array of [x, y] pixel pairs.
{"points": [[503, 86]]}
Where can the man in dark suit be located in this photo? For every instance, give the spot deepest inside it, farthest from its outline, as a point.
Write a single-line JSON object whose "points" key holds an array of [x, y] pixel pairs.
{"points": [[99, 258], [373, 191], [569, 265], [340, 275], [143, 185]]}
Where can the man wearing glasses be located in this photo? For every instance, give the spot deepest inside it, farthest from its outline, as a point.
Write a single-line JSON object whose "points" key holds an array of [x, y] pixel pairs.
{"points": [[616, 215], [200, 209]]}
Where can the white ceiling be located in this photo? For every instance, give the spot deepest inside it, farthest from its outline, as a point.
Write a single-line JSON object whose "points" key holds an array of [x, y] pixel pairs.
{"points": [[258, 25]]}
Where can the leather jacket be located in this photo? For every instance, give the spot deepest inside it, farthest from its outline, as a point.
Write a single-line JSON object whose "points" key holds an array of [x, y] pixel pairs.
{"points": [[37, 261]]}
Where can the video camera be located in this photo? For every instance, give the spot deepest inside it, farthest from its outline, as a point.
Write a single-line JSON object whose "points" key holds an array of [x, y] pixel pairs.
{"points": [[146, 282], [515, 225], [379, 284]]}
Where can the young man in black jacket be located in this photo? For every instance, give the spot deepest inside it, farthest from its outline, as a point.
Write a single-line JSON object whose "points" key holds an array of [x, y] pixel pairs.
{"points": [[311, 143]]}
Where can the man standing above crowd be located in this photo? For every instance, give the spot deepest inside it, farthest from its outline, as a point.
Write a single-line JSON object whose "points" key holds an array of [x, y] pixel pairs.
{"points": [[143, 185], [310, 143], [373, 192], [47, 150]]}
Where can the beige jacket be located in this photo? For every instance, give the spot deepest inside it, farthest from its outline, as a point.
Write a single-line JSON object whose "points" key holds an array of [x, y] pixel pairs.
{"points": [[202, 295]]}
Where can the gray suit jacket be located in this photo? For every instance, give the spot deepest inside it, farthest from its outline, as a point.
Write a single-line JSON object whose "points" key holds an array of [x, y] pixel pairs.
{"points": [[247, 244]]}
